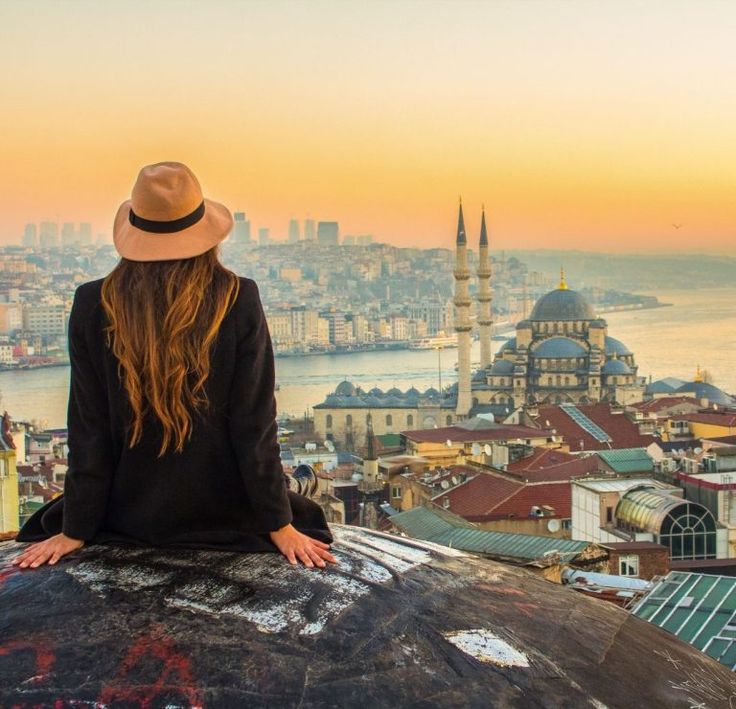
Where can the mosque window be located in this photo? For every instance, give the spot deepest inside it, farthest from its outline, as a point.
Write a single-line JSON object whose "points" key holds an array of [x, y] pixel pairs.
{"points": [[567, 381], [558, 380], [349, 420], [448, 420], [409, 420], [328, 421], [389, 420]]}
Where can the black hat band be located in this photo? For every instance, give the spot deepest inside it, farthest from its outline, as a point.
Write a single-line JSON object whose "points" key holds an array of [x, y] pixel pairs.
{"points": [[166, 227]]}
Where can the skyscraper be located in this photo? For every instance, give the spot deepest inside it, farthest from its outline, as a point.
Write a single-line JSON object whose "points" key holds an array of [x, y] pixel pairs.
{"points": [[241, 230], [49, 235], [30, 235], [328, 233], [293, 231], [85, 234], [309, 232], [68, 234], [264, 235]]}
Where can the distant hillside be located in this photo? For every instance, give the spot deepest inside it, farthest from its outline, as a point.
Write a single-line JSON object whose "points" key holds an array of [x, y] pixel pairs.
{"points": [[633, 271]]}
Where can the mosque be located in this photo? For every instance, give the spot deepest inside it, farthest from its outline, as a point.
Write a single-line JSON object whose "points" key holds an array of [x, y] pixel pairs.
{"points": [[561, 354]]}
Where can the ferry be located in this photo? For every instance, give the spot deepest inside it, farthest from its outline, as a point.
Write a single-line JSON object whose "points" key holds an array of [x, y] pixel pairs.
{"points": [[439, 341]]}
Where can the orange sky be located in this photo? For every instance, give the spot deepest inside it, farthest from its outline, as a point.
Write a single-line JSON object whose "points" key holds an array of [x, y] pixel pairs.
{"points": [[587, 125]]}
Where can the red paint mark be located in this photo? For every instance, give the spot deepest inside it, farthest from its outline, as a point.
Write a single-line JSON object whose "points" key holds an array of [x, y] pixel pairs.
{"points": [[527, 609], [175, 676], [45, 657], [508, 591], [5, 574]]}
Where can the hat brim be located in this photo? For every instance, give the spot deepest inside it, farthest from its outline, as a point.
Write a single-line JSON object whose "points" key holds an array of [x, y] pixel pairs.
{"points": [[137, 245]]}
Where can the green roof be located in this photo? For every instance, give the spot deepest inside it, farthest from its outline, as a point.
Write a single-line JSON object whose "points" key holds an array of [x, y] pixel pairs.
{"points": [[441, 527], [628, 460], [699, 609], [389, 440]]}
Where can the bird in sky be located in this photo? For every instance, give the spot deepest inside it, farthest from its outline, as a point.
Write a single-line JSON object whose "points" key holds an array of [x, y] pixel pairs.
{"points": [[678, 226]]}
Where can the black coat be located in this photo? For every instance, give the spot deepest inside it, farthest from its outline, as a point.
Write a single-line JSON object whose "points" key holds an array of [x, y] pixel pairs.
{"points": [[225, 490]]}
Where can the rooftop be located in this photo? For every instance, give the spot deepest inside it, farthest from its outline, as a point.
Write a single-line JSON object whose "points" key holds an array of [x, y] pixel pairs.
{"points": [[120, 626]]}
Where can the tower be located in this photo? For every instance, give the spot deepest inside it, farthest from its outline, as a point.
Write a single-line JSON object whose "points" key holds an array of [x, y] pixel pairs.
{"points": [[484, 295], [462, 318]]}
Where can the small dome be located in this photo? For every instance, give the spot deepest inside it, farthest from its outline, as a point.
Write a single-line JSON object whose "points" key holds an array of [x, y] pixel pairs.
{"points": [[353, 402], [394, 392], [703, 390], [479, 375], [502, 366], [376, 392], [413, 392], [393, 401], [372, 401], [562, 304], [431, 392], [509, 345], [614, 346], [345, 388], [616, 366], [559, 348]]}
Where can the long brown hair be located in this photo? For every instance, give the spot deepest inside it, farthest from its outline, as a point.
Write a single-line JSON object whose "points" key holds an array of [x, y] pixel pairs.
{"points": [[163, 318]]}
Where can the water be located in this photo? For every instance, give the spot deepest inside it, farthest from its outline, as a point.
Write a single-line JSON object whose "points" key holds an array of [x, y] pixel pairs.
{"points": [[699, 329]]}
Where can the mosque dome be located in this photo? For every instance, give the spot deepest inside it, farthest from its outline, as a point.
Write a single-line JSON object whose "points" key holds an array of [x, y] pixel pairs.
{"points": [[345, 388], [703, 390], [560, 348], [616, 347], [562, 304], [616, 366], [431, 392], [508, 346], [376, 392], [502, 366]]}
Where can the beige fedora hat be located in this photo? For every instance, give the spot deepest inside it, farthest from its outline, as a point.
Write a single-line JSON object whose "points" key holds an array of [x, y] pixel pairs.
{"points": [[167, 217]]}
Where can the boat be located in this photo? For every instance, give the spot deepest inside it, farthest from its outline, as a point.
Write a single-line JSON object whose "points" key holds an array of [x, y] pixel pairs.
{"points": [[435, 342]]}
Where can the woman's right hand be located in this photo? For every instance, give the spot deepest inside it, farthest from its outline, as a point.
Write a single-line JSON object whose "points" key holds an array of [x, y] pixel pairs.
{"points": [[297, 546]]}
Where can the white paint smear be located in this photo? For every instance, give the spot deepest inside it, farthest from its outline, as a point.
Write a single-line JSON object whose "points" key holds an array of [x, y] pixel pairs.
{"points": [[487, 647]]}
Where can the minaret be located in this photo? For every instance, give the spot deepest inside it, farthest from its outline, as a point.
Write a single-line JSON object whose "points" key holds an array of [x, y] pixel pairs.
{"points": [[484, 295], [370, 461], [462, 318]]}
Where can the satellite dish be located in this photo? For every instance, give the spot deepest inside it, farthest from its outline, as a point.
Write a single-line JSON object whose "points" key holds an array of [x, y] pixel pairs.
{"points": [[454, 480], [487, 449], [475, 449], [330, 446], [444, 484], [448, 443], [698, 450], [553, 525]]}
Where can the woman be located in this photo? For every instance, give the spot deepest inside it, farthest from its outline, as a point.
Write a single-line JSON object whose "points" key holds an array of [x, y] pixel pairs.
{"points": [[172, 430]]}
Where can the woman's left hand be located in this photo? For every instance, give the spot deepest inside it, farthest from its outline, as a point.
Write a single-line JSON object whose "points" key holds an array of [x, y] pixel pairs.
{"points": [[48, 551]]}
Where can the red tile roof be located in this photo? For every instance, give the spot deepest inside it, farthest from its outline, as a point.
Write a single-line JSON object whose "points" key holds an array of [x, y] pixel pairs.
{"points": [[549, 465], [623, 432], [722, 419], [457, 434], [665, 402], [488, 497]]}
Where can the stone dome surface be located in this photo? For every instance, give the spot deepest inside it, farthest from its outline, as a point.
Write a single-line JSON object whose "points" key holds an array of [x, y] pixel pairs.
{"points": [[510, 344], [397, 623], [562, 304], [559, 348], [704, 390]]}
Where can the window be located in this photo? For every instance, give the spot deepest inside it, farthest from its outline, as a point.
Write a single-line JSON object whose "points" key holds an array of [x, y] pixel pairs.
{"points": [[609, 515], [389, 420], [410, 420], [628, 565], [558, 380], [328, 421], [349, 420], [567, 381], [396, 491], [448, 420]]}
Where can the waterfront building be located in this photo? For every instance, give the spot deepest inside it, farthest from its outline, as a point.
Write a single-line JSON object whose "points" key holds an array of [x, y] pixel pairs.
{"points": [[9, 500], [44, 319]]}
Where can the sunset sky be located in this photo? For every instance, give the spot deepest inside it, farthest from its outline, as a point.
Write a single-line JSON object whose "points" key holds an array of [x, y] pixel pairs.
{"points": [[584, 125]]}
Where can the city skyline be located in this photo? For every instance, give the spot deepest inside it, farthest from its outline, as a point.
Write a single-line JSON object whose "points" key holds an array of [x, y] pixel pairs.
{"points": [[604, 126]]}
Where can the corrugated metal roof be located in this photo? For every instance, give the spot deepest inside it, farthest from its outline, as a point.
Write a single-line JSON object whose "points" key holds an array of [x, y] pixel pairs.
{"points": [[699, 609], [448, 530], [628, 460]]}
